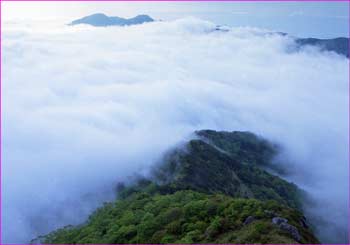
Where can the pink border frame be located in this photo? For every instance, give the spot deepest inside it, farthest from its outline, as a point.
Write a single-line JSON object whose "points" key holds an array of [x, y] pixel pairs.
{"points": [[174, 0], [162, 1]]}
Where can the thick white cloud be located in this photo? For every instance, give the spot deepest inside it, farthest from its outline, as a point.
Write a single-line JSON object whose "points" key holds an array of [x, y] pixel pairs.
{"points": [[85, 107]]}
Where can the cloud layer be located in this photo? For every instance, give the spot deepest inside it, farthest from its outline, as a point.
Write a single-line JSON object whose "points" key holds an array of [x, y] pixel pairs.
{"points": [[86, 107]]}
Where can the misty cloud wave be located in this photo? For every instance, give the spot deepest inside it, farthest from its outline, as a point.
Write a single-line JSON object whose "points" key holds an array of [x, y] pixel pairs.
{"points": [[85, 107]]}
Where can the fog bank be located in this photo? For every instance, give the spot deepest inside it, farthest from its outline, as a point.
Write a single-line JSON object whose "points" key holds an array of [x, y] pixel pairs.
{"points": [[85, 107]]}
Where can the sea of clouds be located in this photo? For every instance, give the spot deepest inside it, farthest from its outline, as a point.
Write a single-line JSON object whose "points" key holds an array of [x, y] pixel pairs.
{"points": [[86, 107]]}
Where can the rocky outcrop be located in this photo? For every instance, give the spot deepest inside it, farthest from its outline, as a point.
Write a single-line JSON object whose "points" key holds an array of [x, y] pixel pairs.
{"points": [[282, 223], [249, 220], [279, 220]]}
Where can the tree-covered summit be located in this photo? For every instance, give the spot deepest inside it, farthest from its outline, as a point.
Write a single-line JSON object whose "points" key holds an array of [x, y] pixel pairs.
{"points": [[230, 163]]}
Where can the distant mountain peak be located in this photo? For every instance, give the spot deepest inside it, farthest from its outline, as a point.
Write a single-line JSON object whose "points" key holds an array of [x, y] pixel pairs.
{"points": [[99, 14], [100, 19], [142, 15]]}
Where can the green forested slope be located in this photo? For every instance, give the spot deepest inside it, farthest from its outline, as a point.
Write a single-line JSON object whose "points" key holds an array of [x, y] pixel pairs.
{"points": [[212, 190]]}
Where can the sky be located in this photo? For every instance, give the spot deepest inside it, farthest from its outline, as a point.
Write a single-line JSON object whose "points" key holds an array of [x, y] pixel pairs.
{"points": [[302, 19]]}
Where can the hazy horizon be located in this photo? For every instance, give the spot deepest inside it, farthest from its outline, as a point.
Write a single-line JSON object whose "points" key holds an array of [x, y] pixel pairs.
{"points": [[302, 19]]}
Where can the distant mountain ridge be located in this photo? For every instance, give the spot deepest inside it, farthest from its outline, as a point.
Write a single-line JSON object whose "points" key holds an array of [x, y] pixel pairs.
{"points": [[338, 45], [100, 19]]}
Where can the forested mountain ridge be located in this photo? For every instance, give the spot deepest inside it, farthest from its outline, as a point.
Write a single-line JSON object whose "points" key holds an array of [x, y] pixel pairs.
{"points": [[211, 190]]}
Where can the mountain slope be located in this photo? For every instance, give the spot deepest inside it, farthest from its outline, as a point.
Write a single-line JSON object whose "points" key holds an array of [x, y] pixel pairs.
{"points": [[235, 172], [104, 20], [187, 217], [212, 190]]}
